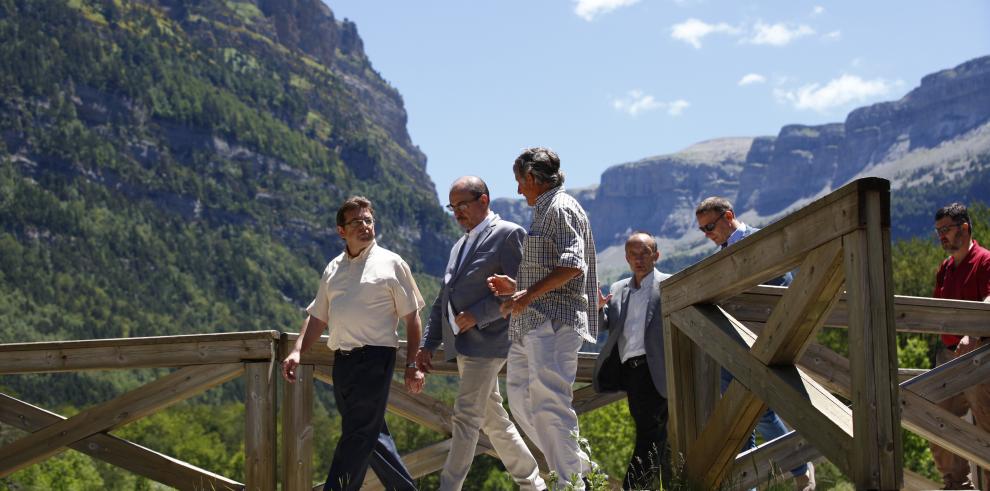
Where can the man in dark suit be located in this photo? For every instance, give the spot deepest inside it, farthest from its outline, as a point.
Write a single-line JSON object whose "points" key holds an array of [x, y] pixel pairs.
{"points": [[465, 318], [632, 360]]}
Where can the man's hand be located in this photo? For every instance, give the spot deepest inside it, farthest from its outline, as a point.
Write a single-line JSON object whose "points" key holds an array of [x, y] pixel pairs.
{"points": [[414, 380], [602, 299], [501, 285], [515, 304], [465, 321], [424, 360], [289, 365], [967, 344]]}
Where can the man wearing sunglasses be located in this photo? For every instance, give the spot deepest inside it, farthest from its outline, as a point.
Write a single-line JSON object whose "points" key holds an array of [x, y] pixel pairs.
{"points": [[964, 275], [362, 295], [465, 318], [717, 220]]}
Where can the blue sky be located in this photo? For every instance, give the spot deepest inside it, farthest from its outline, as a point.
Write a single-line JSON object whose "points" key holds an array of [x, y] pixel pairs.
{"points": [[605, 82]]}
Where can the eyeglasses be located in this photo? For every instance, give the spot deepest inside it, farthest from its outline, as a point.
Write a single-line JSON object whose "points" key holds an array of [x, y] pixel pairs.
{"points": [[363, 221], [463, 204], [711, 226], [944, 229]]}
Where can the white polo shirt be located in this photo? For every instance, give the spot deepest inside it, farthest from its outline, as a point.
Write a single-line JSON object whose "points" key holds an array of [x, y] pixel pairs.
{"points": [[363, 298]]}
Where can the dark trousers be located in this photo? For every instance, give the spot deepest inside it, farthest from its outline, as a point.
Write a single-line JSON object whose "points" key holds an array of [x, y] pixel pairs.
{"points": [[649, 412], [361, 381]]}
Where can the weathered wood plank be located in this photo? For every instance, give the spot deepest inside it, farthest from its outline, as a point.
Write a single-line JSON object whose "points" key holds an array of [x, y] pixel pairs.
{"points": [[129, 407], [942, 427], [771, 461], [916, 482], [320, 354], [804, 307], [297, 430], [730, 425], [911, 314], [678, 358], [587, 400], [772, 251], [872, 349], [118, 452], [77, 355], [204, 339], [786, 389], [949, 379], [259, 427]]}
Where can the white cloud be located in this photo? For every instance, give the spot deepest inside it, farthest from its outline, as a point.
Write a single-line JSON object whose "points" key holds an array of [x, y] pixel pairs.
{"points": [[818, 10], [636, 102], [837, 92], [589, 9], [778, 34], [693, 30], [833, 36], [677, 107], [752, 78]]}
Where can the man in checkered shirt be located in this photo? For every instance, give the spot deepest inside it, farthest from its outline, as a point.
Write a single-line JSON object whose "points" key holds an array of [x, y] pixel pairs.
{"points": [[553, 302]]}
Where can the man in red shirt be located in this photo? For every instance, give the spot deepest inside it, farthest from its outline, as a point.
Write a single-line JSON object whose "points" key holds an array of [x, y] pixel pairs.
{"points": [[964, 275]]}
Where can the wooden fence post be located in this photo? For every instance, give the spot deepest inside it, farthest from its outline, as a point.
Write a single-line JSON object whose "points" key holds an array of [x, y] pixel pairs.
{"points": [[259, 427]]}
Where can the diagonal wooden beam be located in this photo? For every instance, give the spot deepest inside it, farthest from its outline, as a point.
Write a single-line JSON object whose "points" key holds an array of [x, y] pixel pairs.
{"points": [[787, 389], [792, 325], [944, 428], [949, 379], [804, 307], [129, 407], [920, 415], [117, 451], [713, 453], [771, 461]]}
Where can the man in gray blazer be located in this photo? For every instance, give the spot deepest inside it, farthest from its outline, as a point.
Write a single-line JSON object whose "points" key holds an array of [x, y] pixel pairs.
{"points": [[632, 360], [465, 318]]}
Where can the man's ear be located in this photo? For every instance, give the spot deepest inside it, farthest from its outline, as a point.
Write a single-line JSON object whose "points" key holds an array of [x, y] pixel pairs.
{"points": [[730, 215], [340, 231]]}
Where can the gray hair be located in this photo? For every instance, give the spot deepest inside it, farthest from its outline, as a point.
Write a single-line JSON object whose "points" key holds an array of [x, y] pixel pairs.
{"points": [[717, 204], [542, 163]]}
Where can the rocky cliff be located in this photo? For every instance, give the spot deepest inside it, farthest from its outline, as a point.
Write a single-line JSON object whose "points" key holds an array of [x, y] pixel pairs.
{"points": [[937, 134]]}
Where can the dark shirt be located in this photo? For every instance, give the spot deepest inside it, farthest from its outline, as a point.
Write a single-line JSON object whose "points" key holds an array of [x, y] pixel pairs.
{"points": [[968, 280]]}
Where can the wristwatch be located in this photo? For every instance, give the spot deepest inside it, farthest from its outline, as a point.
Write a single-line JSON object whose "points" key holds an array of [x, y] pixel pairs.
{"points": [[411, 364]]}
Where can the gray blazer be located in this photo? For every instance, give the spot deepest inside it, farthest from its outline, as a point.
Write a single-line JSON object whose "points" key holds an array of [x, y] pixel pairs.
{"points": [[498, 250], [606, 377]]}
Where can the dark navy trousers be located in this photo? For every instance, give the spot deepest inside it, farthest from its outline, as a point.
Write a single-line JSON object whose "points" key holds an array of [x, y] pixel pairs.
{"points": [[361, 380]]}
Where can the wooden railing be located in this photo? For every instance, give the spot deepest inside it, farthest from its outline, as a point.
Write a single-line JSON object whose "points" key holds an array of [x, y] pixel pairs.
{"points": [[205, 361], [713, 313]]}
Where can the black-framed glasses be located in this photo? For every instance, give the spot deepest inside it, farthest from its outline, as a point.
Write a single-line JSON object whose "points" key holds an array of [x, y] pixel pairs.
{"points": [[711, 226], [369, 221], [944, 229], [463, 204]]}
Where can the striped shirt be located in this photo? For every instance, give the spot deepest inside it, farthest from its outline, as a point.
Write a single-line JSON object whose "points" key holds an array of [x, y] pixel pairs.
{"points": [[560, 235]]}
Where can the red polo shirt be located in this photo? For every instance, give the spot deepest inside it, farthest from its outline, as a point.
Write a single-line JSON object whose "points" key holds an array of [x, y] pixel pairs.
{"points": [[968, 280]]}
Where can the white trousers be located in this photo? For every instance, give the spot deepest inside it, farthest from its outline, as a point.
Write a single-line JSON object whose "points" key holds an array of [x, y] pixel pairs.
{"points": [[539, 380], [479, 407]]}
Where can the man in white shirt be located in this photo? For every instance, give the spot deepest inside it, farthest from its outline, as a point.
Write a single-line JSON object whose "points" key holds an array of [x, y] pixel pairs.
{"points": [[465, 318], [363, 293], [632, 360]]}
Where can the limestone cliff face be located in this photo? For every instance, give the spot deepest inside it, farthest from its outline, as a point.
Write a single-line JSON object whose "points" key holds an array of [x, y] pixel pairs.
{"points": [[938, 127]]}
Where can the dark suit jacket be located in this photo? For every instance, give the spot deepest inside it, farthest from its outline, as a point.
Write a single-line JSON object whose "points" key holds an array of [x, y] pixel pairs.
{"points": [[606, 375], [498, 250]]}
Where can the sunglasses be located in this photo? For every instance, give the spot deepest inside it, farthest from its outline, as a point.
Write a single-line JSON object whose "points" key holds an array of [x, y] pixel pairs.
{"points": [[711, 226]]}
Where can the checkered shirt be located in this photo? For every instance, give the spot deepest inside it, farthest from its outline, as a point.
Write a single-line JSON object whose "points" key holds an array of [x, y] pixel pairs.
{"points": [[560, 235]]}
